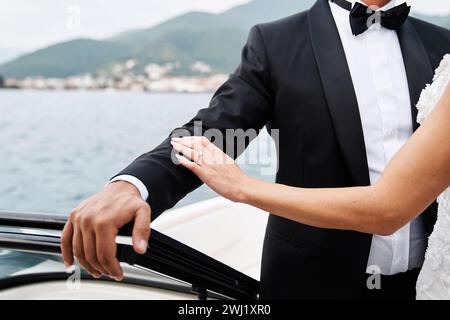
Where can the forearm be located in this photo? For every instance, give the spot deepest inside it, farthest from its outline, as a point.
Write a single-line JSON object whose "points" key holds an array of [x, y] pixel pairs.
{"points": [[410, 183], [243, 102], [166, 182], [361, 209]]}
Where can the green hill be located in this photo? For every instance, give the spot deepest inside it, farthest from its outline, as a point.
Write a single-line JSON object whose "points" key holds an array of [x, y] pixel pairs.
{"points": [[65, 59], [215, 39]]}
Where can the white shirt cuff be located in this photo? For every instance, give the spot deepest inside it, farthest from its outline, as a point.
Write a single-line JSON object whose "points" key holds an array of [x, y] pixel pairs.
{"points": [[135, 182]]}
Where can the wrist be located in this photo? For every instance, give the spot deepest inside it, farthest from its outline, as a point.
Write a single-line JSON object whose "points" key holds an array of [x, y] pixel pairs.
{"points": [[244, 188], [123, 186]]}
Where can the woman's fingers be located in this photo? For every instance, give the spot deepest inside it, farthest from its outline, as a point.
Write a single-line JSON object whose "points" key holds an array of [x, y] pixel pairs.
{"points": [[216, 169], [196, 143], [188, 152], [190, 142], [201, 151], [194, 167]]}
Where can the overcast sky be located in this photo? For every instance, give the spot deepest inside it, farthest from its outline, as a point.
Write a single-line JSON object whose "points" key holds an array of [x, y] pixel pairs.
{"points": [[30, 24]]}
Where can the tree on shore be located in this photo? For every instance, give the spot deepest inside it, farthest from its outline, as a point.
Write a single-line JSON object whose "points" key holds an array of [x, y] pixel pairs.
{"points": [[2, 82]]}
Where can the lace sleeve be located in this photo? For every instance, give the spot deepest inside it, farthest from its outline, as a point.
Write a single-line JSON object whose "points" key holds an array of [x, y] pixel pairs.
{"points": [[432, 93]]}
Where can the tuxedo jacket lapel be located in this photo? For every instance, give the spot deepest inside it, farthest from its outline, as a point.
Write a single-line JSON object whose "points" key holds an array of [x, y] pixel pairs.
{"points": [[418, 66], [339, 91]]}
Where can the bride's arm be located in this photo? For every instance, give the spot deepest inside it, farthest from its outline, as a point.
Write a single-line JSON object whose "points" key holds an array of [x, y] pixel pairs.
{"points": [[410, 183]]}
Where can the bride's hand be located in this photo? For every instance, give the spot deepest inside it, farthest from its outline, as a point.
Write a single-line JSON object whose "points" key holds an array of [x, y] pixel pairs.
{"points": [[212, 166]]}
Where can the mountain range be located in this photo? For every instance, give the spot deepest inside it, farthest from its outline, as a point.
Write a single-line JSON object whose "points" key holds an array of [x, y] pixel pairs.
{"points": [[214, 39]]}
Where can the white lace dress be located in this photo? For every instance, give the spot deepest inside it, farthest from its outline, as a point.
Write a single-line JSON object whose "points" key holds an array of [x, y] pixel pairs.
{"points": [[434, 280]]}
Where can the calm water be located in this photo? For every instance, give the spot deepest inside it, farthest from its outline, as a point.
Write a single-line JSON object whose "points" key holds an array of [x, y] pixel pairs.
{"points": [[57, 148]]}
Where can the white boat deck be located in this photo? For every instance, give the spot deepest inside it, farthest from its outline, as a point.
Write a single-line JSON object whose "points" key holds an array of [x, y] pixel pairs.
{"points": [[232, 233], [229, 232]]}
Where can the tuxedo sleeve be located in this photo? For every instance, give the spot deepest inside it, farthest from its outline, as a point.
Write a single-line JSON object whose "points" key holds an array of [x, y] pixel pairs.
{"points": [[242, 102]]}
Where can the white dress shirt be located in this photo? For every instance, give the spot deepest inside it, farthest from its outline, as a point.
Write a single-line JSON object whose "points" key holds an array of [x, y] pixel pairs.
{"points": [[379, 78], [135, 182]]}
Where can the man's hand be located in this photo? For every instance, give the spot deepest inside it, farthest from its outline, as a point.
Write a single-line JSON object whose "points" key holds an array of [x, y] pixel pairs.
{"points": [[90, 233]]}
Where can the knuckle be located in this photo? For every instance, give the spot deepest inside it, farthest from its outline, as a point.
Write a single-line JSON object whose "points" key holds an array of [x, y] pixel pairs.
{"points": [[85, 220], [143, 204], [139, 204], [101, 224], [73, 215]]}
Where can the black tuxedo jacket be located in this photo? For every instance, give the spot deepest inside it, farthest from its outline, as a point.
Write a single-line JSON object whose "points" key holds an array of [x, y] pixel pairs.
{"points": [[294, 77]]}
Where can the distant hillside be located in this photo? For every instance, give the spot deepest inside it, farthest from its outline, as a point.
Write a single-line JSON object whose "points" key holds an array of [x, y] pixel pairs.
{"points": [[65, 59], [214, 39], [197, 36]]}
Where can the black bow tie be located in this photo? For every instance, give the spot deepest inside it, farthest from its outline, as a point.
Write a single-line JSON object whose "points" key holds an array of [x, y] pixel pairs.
{"points": [[362, 17]]}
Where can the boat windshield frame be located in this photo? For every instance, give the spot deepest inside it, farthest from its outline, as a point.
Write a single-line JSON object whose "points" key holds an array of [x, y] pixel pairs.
{"points": [[169, 257]]}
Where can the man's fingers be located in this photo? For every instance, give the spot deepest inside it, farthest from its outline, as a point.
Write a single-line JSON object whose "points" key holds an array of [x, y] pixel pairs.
{"points": [[106, 253], [66, 244], [141, 229], [78, 251], [90, 251]]}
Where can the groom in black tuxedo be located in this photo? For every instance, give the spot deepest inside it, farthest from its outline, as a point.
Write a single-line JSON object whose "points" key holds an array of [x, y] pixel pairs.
{"points": [[342, 93]]}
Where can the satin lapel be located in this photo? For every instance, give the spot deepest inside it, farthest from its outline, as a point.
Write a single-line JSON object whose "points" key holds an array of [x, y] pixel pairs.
{"points": [[417, 63], [339, 91]]}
